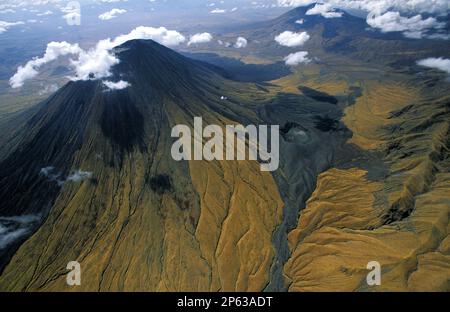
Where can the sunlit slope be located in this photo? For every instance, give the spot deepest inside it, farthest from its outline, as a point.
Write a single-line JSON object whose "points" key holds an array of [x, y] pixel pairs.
{"points": [[143, 221], [401, 221], [370, 115], [240, 209]]}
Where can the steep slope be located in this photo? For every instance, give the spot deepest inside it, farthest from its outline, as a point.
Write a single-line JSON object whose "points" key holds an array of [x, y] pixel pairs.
{"points": [[135, 219], [94, 167], [388, 205]]}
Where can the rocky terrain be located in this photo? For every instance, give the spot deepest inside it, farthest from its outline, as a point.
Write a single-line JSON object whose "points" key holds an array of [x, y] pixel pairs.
{"points": [[87, 175]]}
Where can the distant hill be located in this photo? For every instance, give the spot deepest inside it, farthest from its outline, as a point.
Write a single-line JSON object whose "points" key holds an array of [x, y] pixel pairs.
{"points": [[348, 36]]}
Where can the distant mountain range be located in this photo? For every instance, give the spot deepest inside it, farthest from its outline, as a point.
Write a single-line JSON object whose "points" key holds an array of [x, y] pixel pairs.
{"points": [[349, 36]]}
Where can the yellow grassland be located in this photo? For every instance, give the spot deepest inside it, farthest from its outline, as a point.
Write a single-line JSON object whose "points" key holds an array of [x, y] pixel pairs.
{"points": [[344, 224]]}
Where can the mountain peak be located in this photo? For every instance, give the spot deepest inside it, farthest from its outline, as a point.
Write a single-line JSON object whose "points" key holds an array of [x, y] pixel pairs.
{"points": [[148, 64], [302, 13], [142, 44]]}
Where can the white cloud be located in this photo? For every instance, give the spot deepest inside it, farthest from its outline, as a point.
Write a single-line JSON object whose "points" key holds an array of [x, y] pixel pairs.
{"points": [[294, 59], [292, 39], [96, 62], [380, 6], [5, 25], [53, 175], [116, 85], [52, 88], [397, 14], [161, 35], [7, 11], [295, 3], [241, 42], [440, 36], [111, 14], [200, 38], [413, 27], [73, 13], [72, 18], [48, 12], [326, 10], [16, 4], [79, 175], [436, 63], [15, 227], [218, 11], [53, 51]]}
